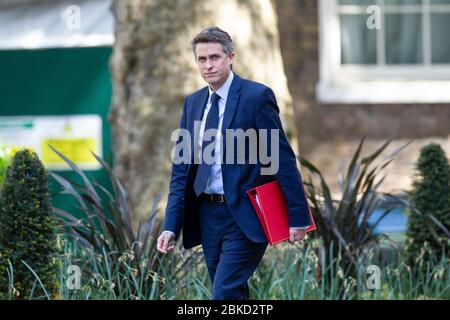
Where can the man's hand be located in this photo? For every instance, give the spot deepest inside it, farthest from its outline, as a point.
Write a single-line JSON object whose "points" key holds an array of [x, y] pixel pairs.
{"points": [[296, 235], [164, 241]]}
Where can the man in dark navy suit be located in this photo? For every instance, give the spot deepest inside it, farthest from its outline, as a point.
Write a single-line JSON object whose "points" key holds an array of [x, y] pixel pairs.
{"points": [[208, 200]]}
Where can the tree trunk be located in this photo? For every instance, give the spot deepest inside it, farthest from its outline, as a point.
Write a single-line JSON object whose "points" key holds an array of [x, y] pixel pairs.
{"points": [[153, 68]]}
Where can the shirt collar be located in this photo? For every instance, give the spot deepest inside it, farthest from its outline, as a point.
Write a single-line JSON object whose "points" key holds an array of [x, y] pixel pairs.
{"points": [[223, 90]]}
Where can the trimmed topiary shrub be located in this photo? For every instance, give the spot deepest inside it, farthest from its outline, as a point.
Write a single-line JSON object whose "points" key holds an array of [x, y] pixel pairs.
{"points": [[27, 230], [431, 197]]}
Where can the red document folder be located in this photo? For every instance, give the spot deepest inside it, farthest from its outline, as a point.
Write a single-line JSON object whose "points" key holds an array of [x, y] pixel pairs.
{"points": [[271, 206]]}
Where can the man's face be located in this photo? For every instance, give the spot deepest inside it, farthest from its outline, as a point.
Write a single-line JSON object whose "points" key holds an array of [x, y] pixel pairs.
{"points": [[213, 63]]}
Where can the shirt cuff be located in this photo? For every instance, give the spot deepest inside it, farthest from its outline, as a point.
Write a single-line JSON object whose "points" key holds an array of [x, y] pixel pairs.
{"points": [[300, 228], [169, 232]]}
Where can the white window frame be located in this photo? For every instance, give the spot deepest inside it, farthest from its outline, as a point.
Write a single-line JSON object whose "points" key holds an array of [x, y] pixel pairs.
{"points": [[379, 83]]}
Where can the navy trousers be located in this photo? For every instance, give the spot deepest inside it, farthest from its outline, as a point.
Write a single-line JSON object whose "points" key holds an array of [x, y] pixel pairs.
{"points": [[230, 256]]}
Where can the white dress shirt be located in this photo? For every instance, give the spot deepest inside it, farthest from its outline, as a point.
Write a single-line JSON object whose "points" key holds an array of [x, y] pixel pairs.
{"points": [[215, 183]]}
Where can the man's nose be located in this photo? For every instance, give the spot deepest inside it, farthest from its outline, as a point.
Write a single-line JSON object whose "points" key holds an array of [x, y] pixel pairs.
{"points": [[209, 64]]}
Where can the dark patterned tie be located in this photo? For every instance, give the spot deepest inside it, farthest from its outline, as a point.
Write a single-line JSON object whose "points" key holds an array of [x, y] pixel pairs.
{"points": [[212, 122]]}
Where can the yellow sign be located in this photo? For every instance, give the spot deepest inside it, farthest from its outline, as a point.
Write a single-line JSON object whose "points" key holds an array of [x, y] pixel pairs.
{"points": [[77, 150], [75, 136], [14, 149]]}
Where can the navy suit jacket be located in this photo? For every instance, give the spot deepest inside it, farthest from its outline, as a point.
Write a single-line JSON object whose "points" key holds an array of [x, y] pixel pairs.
{"points": [[249, 105]]}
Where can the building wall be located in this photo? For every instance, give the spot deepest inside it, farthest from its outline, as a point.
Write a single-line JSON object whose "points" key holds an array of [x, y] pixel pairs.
{"points": [[329, 133]]}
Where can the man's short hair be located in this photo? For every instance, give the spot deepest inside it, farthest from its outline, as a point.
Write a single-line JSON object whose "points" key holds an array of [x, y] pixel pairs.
{"points": [[214, 34]]}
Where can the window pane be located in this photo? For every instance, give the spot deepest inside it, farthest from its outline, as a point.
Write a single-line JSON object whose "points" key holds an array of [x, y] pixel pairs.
{"points": [[358, 43], [440, 1], [397, 2], [403, 38], [357, 2], [440, 45]]}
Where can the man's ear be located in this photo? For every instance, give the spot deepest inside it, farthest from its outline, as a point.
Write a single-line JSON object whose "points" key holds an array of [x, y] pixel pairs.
{"points": [[232, 56], [232, 59]]}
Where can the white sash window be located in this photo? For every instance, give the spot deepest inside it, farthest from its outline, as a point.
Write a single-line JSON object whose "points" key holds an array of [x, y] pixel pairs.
{"points": [[384, 51]]}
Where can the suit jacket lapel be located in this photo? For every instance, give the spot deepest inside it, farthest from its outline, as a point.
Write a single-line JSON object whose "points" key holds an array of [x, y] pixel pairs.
{"points": [[200, 104], [232, 101], [198, 109]]}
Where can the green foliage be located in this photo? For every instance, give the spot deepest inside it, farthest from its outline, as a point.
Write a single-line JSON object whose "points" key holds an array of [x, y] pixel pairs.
{"points": [[105, 225], [127, 278], [429, 219], [344, 223], [27, 230], [287, 272], [307, 270], [304, 272], [104, 232]]}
